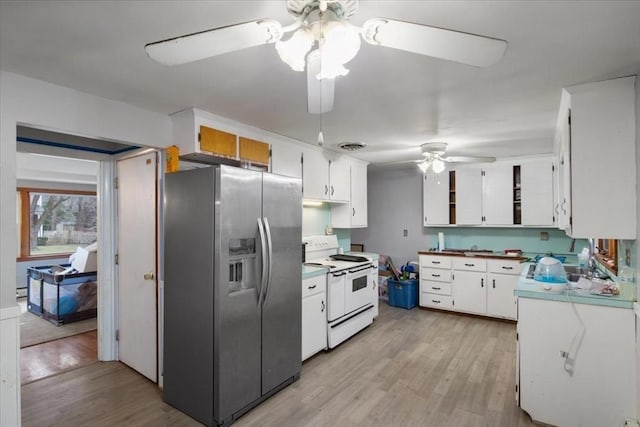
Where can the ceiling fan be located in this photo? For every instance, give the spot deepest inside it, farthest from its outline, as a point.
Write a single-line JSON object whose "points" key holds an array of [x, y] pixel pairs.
{"points": [[324, 40], [433, 153]]}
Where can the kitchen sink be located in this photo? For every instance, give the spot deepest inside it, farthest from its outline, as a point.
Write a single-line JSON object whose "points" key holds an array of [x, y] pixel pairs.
{"points": [[573, 272]]}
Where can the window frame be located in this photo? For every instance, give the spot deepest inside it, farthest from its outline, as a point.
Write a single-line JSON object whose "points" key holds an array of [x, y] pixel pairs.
{"points": [[25, 220]]}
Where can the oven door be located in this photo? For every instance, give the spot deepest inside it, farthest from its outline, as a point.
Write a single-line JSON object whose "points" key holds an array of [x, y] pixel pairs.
{"points": [[335, 295], [358, 288]]}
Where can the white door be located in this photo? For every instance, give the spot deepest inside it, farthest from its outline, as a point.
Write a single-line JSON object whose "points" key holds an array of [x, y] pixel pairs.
{"points": [[468, 196], [497, 206], [469, 292], [536, 178], [137, 266], [435, 198], [359, 195]]}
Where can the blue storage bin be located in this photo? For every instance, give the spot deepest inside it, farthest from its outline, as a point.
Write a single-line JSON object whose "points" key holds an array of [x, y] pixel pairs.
{"points": [[403, 293]]}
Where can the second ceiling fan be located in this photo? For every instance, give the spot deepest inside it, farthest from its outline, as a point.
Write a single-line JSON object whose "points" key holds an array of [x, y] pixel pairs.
{"points": [[323, 40]]}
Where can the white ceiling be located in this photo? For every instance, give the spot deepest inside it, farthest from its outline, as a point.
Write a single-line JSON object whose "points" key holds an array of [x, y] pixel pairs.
{"points": [[391, 100]]}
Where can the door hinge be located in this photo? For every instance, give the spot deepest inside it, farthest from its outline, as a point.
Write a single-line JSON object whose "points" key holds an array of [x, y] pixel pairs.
{"points": [[115, 183], [117, 334], [117, 259]]}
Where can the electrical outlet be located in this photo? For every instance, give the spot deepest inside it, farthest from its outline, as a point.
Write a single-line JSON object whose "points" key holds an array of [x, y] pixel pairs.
{"points": [[405, 232], [544, 235]]}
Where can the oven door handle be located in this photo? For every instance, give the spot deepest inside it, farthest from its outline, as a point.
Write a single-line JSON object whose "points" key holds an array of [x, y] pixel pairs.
{"points": [[342, 273], [368, 267]]}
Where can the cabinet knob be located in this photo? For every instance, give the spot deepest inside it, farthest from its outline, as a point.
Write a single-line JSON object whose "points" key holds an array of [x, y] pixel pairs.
{"points": [[332, 190], [494, 283], [322, 306], [326, 190], [149, 276], [353, 211]]}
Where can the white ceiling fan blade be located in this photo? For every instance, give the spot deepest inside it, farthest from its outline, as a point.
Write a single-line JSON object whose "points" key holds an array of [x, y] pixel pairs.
{"points": [[319, 92], [469, 159], [440, 43], [205, 44]]}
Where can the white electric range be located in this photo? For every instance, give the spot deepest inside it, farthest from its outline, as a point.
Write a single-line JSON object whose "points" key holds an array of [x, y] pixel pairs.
{"points": [[351, 284]]}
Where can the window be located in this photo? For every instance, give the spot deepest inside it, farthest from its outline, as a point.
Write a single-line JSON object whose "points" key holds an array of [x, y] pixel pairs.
{"points": [[55, 222]]}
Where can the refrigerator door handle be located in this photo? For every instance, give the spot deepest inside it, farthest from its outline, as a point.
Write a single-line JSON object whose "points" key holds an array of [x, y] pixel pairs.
{"points": [[263, 246], [270, 248]]}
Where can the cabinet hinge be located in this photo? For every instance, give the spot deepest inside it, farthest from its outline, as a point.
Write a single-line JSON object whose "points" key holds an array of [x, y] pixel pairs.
{"points": [[117, 258], [453, 303], [198, 136], [117, 334], [115, 183], [516, 388], [553, 168], [570, 220], [569, 116], [517, 336], [482, 173], [270, 153], [553, 218]]}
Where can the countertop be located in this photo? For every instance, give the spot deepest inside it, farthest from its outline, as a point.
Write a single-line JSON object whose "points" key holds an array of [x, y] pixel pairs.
{"points": [[527, 288], [494, 255]]}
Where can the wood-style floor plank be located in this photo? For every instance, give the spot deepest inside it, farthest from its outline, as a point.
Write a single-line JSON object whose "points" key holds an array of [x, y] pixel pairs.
{"points": [[50, 358], [411, 368]]}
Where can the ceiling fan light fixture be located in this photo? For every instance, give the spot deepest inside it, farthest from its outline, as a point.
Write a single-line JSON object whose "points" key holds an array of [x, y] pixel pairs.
{"points": [[437, 165], [294, 50], [423, 166], [339, 44]]}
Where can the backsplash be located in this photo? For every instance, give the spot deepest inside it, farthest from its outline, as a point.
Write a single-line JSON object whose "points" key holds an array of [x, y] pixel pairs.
{"points": [[315, 220]]}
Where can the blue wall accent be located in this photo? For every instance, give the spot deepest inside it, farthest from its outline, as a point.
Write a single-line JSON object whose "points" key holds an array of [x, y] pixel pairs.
{"points": [[498, 239]]}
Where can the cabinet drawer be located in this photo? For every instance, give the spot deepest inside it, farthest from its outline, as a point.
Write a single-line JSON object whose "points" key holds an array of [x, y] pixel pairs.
{"points": [[432, 287], [314, 285], [435, 261], [436, 274], [505, 266], [436, 301], [470, 264]]}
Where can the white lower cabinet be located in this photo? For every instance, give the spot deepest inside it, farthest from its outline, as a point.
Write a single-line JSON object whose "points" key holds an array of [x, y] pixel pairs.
{"points": [[469, 291], [502, 280], [314, 315], [470, 284], [577, 364]]}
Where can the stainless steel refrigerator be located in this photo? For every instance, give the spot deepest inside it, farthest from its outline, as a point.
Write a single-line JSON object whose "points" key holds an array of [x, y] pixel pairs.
{"points": [[232, 292]]}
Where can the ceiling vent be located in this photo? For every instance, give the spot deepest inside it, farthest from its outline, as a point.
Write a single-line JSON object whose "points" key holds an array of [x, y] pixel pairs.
{"points": [[352, 146]]}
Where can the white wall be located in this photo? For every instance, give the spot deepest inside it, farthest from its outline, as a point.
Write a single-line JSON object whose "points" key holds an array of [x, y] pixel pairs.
{"points": [[394, 204], [39, 104]]}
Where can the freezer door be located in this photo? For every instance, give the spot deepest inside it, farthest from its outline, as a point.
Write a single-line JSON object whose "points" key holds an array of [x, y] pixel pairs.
{"points": [[237, 312], [282, 307]]}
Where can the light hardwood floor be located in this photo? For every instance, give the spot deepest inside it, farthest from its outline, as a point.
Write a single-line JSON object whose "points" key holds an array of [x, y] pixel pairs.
{"points": [[410, 368]]}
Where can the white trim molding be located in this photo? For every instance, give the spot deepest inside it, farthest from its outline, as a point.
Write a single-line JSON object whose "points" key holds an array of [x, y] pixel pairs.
{"points": [[10, 366]]}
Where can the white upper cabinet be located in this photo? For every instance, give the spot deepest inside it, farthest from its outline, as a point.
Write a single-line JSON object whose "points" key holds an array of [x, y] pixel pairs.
{"points": [[435, 198], [340, 180], [353, 214], [602, 156], [286, 159], [468, 196], [536, 185], [498, 190], [315, 175]]}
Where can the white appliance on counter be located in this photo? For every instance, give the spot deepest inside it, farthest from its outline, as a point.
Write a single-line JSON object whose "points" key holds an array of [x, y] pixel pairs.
{"points": [[350, 283]]}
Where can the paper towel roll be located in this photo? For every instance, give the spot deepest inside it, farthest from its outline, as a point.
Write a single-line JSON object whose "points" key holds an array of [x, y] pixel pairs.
{"points": [[440, 241]]}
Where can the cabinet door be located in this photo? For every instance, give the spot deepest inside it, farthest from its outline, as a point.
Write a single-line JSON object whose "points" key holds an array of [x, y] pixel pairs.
{"points": [[340, 180], [500, 299], [469, 292], [254, 151], [286, 160], [217, 142], [498, 195], [359, 194], [468, 196], [315, 175], [314, 325], [536, 178], [435, 198]]}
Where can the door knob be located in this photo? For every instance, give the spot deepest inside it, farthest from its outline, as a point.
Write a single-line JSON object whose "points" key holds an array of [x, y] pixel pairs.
{"points": [[149, 276]]}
